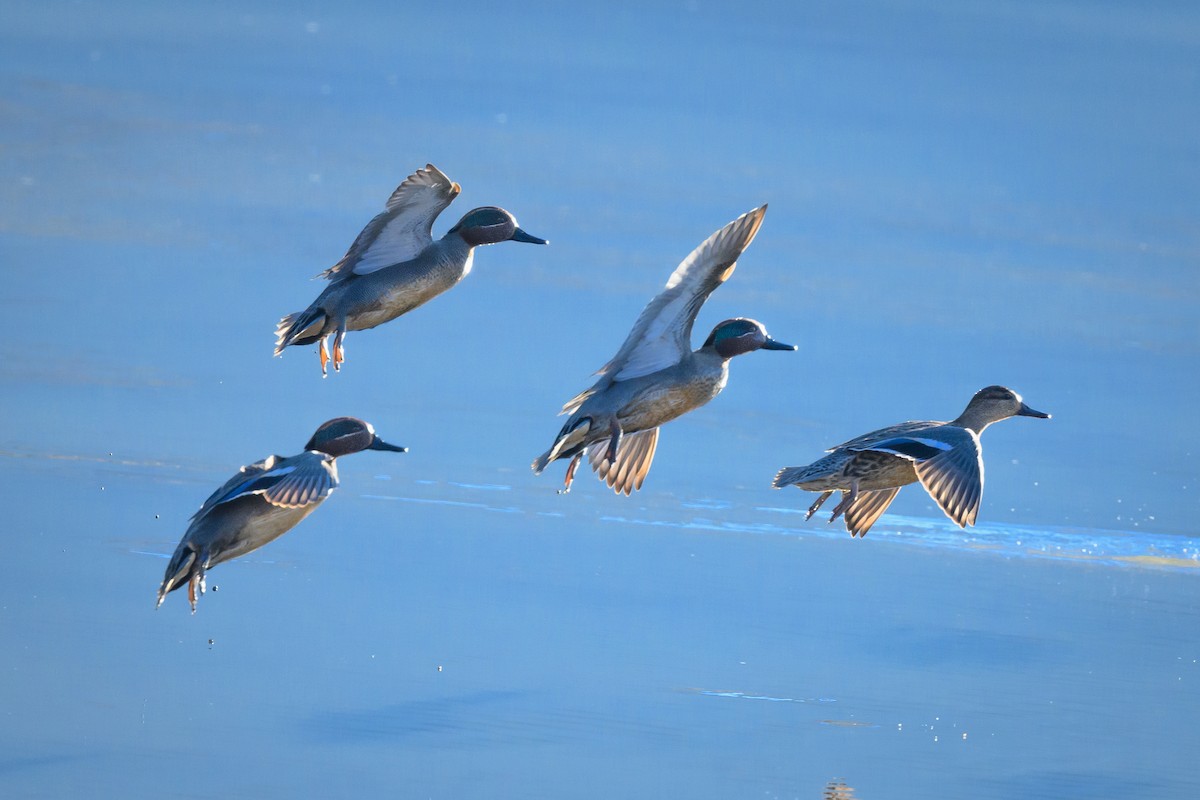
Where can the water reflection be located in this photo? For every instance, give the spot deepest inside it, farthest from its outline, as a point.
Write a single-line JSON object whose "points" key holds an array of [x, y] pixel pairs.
{"points": [[837, 790], [471, 718]]}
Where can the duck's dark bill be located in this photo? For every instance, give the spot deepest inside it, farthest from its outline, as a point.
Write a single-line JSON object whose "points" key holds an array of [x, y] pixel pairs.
{"points": [[1026, 411], [771, 344], [380, 444], [521, 236]]}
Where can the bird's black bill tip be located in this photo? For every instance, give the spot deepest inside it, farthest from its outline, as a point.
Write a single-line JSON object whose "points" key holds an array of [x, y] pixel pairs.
{"points": [[521, 236], [1026, 411], [771, 344], [380, 444]]}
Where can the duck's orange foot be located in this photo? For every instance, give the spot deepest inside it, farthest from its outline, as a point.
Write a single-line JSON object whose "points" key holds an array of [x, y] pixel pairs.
{"points": [[195, 587], [570, 474]]}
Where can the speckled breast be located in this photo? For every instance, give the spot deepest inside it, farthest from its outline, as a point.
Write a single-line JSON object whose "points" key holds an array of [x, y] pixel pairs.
{"points": [[663, 402]]}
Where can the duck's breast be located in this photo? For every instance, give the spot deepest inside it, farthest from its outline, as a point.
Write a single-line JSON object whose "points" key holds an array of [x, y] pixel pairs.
{"points": [[244, 525], [385, 294], [672, 393]]}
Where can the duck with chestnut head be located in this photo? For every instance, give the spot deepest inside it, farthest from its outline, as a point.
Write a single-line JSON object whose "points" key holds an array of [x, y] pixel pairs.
{"points": [[656, 376], [395, 265], [263, 501]]}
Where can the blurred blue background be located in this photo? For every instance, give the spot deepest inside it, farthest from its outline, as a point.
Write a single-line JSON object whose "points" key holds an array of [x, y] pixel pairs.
{"points": [[959, 196]]}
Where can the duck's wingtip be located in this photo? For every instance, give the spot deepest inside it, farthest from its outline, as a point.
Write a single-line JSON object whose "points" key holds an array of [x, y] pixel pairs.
{"points": [[753, 220], [756, 214]]}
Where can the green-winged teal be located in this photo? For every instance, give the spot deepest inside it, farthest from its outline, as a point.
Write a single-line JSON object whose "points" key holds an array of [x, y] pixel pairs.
{"points": [[946, 457], [395, 265], [656, 376], [264, 501]]}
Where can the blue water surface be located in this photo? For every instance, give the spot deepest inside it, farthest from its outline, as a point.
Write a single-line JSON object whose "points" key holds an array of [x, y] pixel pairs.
{"points": [[959, 195]]}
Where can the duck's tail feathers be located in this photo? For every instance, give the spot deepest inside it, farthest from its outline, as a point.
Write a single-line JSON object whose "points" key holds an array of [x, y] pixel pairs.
{"points": [[162, 594], [788, 476], [570, 440], [182, 564], [295, 328]]}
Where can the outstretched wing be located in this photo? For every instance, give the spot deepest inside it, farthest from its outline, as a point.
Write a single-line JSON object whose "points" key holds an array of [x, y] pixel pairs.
{"points": [[868, 508], [635, 454], [954, 479], [404, 228], [948, 461], [662, 335], [291, 482]]}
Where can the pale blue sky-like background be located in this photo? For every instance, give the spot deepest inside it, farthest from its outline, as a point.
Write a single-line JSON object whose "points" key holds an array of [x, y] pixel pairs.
{"points": [[959, 195]]}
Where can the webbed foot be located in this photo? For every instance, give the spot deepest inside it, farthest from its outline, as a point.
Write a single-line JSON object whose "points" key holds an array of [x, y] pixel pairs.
{"points": [[614, 441], [817, 504], [196, 585], [324, 354], [339, 353], [848, 498], [570, 474]]}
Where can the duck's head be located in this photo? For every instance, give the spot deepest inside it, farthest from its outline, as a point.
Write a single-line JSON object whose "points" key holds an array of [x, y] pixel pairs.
{"points": [[992, 404], [345, 435], [740, 335], [489, 225]]}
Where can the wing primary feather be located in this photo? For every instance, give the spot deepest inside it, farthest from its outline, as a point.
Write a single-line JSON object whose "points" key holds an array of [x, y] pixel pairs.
{"points": [[867, 509], [649, 458], [661, 335]]}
